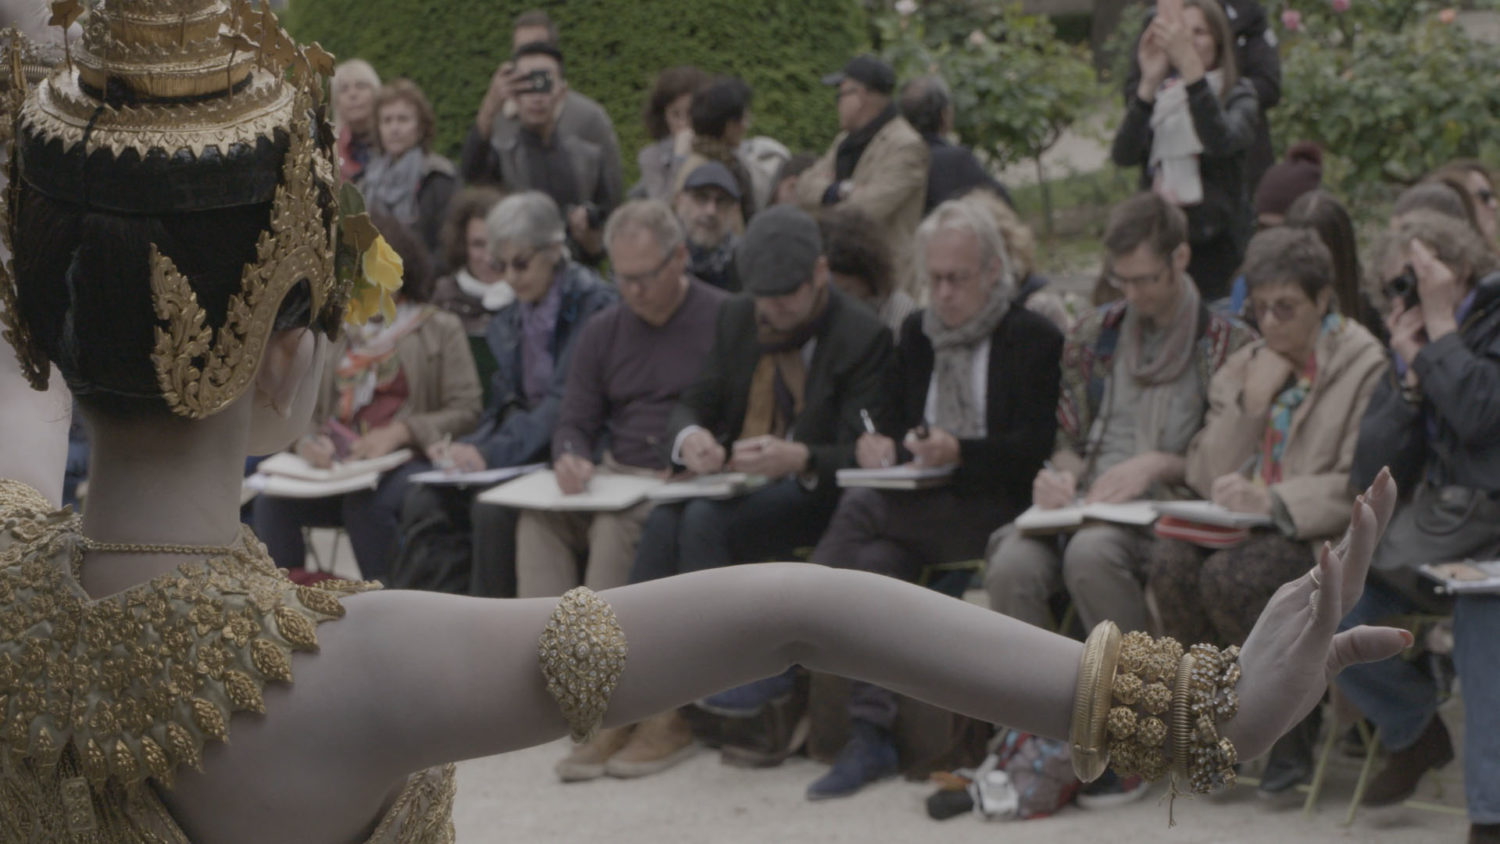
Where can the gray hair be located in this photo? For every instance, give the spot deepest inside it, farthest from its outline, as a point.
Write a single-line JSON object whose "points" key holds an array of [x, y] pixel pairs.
{"points": [[923, 101], [528, 219], [355, 70], [963, 215], [649, 215]]}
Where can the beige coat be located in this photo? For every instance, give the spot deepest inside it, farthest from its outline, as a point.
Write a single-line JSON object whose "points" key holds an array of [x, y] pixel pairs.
{"points": [[890, 184], [444, 395], [1320, 445]]}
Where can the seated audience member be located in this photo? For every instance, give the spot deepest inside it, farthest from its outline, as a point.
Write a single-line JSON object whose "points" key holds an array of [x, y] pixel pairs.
{"points": [[1189, 128], [784, 183], [1319, 211], [355, 84], [407, 382], [859, 263], [451, 543], [1135, 379], [877, 164], [1476, 182], [669, 125], [709, 207], [1020, 244], [498, 121], [794, 365], [630, 363], [536, 151], [473, 290], [927, 105], [1283, 419], [1435, 421], [406, 179], [976, 383], [720, 117]]}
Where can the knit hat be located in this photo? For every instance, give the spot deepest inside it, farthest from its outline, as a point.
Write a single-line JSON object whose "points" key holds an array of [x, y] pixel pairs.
{"points": [[1301, 172]]}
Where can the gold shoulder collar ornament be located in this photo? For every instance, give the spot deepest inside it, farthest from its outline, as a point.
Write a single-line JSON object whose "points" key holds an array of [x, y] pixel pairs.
{"points": [[177, 95]]}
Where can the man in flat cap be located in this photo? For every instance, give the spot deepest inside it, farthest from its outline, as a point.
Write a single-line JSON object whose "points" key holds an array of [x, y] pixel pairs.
{"points": [[878, 163], [709, 207], [794, 366]]}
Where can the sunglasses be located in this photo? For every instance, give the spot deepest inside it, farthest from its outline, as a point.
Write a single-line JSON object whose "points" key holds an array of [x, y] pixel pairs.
{"points": [[500, 265]]}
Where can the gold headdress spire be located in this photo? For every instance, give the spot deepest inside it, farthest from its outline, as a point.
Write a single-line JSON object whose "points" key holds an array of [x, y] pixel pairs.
{"points": [[173, 106]]}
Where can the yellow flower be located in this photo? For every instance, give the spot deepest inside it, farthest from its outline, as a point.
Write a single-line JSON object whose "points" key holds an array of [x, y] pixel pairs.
{"points": [[380, 276]]}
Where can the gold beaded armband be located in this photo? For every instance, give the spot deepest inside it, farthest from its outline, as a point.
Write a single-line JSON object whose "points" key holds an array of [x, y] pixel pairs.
{"points": [[1144, 707], [582, 652]]}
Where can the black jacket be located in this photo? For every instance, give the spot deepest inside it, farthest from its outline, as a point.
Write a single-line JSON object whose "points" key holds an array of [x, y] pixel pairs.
{"points": [[954, 172], [850, 365], [1020, 415], [1258, 61], [1459, 393], [1225, 130]]}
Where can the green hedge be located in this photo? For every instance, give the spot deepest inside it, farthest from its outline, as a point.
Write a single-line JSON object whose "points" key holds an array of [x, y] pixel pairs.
{"points": [[614, 48]]}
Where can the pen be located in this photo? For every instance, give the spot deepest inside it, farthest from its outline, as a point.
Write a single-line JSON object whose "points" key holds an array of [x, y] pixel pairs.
{"points": [[864, 416]]}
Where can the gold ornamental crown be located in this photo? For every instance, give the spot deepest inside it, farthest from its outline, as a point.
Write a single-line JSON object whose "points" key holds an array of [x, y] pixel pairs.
{"points": [[175, 106]]}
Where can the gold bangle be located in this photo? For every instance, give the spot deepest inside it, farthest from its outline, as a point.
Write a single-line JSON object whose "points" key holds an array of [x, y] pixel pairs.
{"points": [[582, 653], [1181, 737], [1096, 671]]}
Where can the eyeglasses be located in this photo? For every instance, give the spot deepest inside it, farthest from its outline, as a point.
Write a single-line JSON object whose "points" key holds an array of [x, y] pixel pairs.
{"points": [[845, 92], [1486, 196], [646, 277], [1120, 282], [500, 265], [956, 279], [1283, 309]]}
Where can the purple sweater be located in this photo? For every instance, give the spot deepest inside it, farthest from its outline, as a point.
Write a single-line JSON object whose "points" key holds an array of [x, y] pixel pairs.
{"points": [[626, 375]]}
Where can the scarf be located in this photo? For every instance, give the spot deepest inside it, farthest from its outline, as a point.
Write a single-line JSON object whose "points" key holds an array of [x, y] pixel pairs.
{"points": [[492, 297], [391, 186], [1175, 145], [713, 265], [1279, 422], [370, 360], [958, 411], [1158, 376], [778, 386], [853, 145]]}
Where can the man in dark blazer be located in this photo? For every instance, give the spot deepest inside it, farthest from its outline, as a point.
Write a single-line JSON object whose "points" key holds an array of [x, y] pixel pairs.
{"points": [[976, 381], [794, 366]]}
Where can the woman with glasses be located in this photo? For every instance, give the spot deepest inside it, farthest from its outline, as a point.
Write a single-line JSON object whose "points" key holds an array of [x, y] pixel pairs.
{"points": [[1278, 441], [532, 340], [1189, 126]]}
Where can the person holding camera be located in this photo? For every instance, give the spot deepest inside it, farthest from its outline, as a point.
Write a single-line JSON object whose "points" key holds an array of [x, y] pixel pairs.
{"points": [[1436, 422], [535, 151]]}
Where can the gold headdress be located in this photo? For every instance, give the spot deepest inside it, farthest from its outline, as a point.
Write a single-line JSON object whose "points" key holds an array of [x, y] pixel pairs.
{"points": [[173, 106]]}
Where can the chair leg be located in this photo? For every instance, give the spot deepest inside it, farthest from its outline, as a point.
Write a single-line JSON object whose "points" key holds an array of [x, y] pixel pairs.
{"points": [[1372, 750], [1315, 789], [311, 550]]}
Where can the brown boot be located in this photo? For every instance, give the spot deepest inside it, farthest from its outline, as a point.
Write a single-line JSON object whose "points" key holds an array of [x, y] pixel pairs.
{"points": [[1398, 779], [658, 743], [586, 762]]}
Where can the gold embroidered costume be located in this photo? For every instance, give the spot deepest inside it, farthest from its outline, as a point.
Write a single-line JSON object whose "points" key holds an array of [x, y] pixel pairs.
{"points": [[103, 701]]}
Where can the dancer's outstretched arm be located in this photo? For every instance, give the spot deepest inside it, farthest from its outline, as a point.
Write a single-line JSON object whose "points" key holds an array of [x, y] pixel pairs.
{"points": [[442, 678]]}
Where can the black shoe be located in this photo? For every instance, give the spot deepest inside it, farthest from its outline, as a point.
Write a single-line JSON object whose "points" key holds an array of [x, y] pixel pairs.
{"points": [[1484, 833], [870, 755], [1398, 779], [1291, 760]]}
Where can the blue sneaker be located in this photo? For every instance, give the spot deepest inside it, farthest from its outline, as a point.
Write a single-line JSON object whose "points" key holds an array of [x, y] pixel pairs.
{"points": [[748, 700], [870, 755]]}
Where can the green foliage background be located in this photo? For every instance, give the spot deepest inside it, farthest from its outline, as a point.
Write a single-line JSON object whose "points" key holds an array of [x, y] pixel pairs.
{"points": [[613, 48]]}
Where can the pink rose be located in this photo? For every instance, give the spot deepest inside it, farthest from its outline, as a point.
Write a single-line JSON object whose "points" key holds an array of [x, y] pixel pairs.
{"points": [[1448, 16], [1291, 19], [1341, 6], [906, 8]]}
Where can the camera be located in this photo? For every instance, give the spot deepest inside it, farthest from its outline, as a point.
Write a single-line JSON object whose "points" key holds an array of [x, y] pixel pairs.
{"points": [[536, 82], [1404, 287]]}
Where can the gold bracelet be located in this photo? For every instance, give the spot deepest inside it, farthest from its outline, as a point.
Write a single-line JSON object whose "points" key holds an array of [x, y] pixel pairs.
{"points": [[1182, 718], [582, 653], [1096, 671], [1137, 727], [1212, 700]]}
